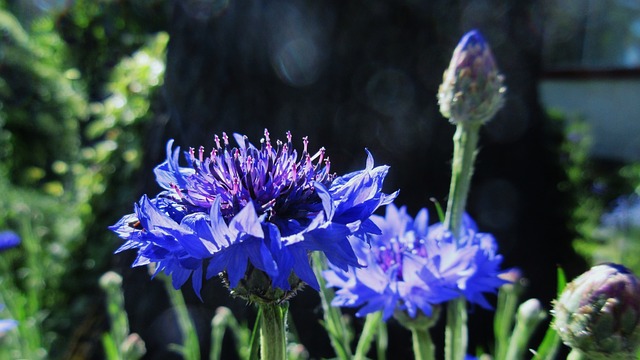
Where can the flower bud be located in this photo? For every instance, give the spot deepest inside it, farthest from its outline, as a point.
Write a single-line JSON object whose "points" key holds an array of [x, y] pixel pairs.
{"points": [[472, 89], [598, 313]]}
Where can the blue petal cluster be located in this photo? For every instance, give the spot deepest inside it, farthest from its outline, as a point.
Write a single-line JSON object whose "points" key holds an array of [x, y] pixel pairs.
{"points": [[412, 266], [8, 240], [266, 207]]}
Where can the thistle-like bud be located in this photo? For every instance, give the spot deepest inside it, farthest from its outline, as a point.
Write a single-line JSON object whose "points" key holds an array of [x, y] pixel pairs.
{"points": [[598, 313], [472, 89]]}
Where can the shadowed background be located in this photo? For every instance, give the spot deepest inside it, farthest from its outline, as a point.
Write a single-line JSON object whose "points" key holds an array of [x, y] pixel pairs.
{"points": [[356, 75]]}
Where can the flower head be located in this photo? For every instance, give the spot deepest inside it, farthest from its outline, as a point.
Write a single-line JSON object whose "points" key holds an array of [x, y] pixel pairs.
{"points": [[472, 89], [598, 313], [412, 266], [252, 214]]}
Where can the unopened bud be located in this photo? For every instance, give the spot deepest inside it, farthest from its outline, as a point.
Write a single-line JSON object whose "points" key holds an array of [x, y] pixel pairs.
{"points": [[598, 313], [472, 89]]}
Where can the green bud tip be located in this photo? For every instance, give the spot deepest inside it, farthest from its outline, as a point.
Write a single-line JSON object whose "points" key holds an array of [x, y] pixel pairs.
{"points": [[133, 346], [531, 311], [221, 316], [598, 313], [472, 88], [110, 280]]}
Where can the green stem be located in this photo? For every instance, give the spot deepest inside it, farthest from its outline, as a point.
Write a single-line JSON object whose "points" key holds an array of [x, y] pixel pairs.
{"points": [[465, 141], [369, 331], [190, 349], [339, 333], [273, 338], [423, 348], [382, 340], [456, 330], [508, 296], [529, 316]]}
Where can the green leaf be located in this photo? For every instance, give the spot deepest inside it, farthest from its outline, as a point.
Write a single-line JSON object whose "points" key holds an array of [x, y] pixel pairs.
{"points": [[551, 341]]}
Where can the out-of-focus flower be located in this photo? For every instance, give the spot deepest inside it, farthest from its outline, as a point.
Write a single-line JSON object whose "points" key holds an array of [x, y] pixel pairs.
{"points": [[6, 324], [625, 216], [412, 266], [472, 88], [253, 215], [8, 240], [598, 313]]}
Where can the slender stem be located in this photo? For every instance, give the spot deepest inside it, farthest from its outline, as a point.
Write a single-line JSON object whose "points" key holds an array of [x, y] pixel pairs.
{"points": [[382, 340], [273, 339], [369, 331], [455, 336], [339, 333], [508, 296], [465, 141], [190, 349], [423, 348], [528, 319]]}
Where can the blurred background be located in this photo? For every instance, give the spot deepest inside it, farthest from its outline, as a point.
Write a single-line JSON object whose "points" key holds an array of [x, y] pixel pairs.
{"points": [[90, 91]]}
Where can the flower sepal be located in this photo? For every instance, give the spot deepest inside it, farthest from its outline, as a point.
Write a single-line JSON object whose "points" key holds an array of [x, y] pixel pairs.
{"points": [[256, 287]]}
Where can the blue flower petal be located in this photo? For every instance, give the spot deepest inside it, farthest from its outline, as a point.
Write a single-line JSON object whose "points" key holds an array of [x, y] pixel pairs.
{"points": [[196, 281]]}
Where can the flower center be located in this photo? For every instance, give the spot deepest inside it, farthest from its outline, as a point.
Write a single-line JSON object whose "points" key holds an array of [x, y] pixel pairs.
{"points": [[390, 253], [278, 183]]}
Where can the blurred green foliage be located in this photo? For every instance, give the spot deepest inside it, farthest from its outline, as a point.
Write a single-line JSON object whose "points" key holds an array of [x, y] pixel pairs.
{"points": [[76, 94], [595, 186]]}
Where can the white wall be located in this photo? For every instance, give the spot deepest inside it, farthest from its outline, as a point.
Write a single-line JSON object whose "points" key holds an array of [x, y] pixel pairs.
{"points": [[610, 106]]}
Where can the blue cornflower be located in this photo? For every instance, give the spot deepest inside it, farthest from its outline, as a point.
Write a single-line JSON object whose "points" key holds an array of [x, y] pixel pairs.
{"points": [[8, 240], [395, 277], [412, 266], [239, 209]]}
